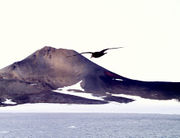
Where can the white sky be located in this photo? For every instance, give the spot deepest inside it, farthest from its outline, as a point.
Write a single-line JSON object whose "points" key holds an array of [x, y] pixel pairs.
{"points": [[148, 29]]}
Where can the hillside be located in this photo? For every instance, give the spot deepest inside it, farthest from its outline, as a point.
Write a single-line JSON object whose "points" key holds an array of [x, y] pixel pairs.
{"points": [[33, 80]]}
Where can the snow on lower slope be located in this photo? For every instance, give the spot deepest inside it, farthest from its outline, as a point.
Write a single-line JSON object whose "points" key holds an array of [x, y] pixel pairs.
{"points": [[140, 105], [8, 101], [77, 86], [164, 107]]}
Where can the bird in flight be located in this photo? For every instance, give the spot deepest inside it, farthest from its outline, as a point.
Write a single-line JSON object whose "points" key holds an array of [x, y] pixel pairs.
{"points": [[98, 53]]}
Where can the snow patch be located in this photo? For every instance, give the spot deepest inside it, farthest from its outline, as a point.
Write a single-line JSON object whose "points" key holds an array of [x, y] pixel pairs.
{"points": [[9, 101], [141, 100], [33, 84], [119, 79], [77, 86]]}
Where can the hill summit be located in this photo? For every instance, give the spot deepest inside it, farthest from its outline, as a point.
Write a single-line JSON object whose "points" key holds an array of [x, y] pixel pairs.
{"points": [[33, 80]]}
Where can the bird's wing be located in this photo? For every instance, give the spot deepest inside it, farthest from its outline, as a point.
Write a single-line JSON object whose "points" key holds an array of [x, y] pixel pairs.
{"points": [[110, 48]]}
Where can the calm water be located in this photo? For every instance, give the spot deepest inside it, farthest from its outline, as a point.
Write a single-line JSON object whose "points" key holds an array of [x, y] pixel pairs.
{"points": [[89, 126]]}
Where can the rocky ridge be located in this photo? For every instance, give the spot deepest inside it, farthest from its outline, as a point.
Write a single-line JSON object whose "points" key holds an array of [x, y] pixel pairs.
{"points": [[33, 79]]}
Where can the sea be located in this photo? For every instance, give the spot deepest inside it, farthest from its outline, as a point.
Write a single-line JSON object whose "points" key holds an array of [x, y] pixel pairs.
{"points": [[88, 125]]}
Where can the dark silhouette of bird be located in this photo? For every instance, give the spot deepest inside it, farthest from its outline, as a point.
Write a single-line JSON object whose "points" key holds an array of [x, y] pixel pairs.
{"points": [[98, 53]]}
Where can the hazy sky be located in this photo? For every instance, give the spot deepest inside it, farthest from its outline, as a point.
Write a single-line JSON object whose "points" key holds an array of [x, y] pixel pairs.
{"points": [[148, 29]]}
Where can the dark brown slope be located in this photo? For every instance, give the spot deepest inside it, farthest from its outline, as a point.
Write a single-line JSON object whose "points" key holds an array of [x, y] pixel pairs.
{"points": [[54, 68], [24, 92], [33, 79]]}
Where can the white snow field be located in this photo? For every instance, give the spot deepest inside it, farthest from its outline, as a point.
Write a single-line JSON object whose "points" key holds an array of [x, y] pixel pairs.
{"points": [[9, 101], [77, 86], [140, 105]]}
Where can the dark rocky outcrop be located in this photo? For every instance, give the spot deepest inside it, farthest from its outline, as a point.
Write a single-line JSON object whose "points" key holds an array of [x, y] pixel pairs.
{"points": [[33, 79]]}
